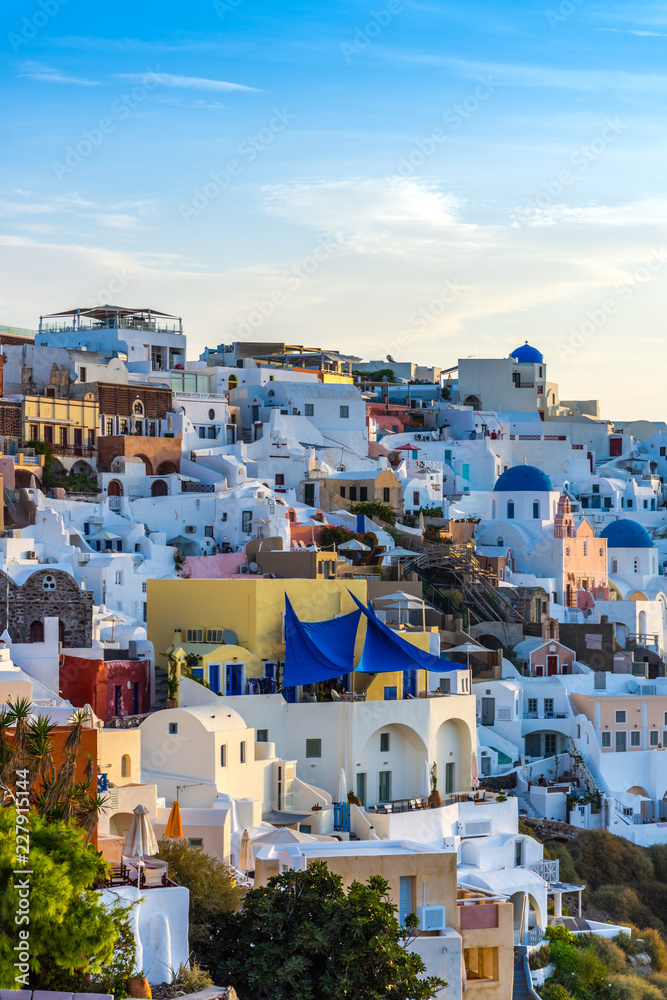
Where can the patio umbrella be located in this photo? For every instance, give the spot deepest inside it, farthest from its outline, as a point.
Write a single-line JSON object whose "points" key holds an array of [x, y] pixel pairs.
{"points": [[425, 785], [475, 771], [354, 545], [342, 786], [246, 858], [140, 841], [407, 601], [174, 827]]}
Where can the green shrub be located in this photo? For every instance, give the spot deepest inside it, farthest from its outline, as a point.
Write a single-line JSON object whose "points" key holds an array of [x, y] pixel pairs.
{"points": [[660, 982], [539, 957], [603, 859], [609, 953], [633, 988], [554, 991], [626, 943], [655, 948], [191, 978], [624, 905]]}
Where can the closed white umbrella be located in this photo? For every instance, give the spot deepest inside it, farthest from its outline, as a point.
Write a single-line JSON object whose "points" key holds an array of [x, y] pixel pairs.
{"points": [[140, 841], [425, 786], [475, 771], [342, 786]]}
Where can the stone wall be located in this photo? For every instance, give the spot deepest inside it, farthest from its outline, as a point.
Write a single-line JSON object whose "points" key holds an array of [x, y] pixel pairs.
{"points": [[47, 593]]}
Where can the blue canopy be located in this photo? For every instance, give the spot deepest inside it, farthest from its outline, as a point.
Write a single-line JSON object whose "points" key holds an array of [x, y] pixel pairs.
{"points": [[385, 651], [318, 651]]}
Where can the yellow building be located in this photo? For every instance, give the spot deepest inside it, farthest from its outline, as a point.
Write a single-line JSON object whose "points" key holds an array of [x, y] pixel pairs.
{"points": [[472, 927], [231, 632], [68, 424]]}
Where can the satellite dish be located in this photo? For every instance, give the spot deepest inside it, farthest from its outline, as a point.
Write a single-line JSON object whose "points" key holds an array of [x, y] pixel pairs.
{"points": [[73, 376], [633, 687], [254, 568], [229, 637], [389, 357]]}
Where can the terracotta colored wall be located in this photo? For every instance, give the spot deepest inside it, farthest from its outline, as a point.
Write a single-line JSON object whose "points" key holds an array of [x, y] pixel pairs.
{"points": [[155, 449], [93, 682]]}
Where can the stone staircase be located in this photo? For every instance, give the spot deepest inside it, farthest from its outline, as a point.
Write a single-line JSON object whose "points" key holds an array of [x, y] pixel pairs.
{"points": [[161, 690], [20, 508], [519, 987], [525, 802]]}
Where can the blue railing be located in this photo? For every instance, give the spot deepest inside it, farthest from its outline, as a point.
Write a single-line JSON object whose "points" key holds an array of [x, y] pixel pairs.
{"points": [[342, 816]]}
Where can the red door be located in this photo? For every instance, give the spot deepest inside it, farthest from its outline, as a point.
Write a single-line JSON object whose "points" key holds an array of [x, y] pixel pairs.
{"points": [[552, 665]]}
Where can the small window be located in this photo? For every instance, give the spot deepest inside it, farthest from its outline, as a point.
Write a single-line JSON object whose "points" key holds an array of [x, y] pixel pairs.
{"points": [[532, 705], [510, 510], [342, 492], [211, 414], [605, 741], [313, 748], [138, 409], [536, 510], [119, 579], [636, 565], [173, 727], [384, 742], [242, 752], [223, 755], [202, 432], [635, 738], [344, 412], [620, 716], [614, 565], [280, 478], [195, 842], [208, 531], [386, 495], [548, 705], [653, 738], [309, 409], [262, 736], [353, 492], [125, 766], [596, 487], [363, 493], [144, 587], [568, 551], [49, 583], [585, 548], [600, 551], [83, 374]]}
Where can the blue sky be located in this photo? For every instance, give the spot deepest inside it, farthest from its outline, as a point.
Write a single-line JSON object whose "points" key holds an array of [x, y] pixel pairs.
{"points": [[425, 179]]}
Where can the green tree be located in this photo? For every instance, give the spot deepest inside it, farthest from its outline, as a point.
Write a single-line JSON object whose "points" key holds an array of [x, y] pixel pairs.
{"points": [[373, 508], [303, 936], [212, 889], [70, 931]]}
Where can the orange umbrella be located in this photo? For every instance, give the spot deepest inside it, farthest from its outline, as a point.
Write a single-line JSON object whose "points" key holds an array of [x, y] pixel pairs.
{"points": [[174, 827]]}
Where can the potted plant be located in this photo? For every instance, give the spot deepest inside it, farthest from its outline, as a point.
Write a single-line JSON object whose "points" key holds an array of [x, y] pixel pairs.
{"points": [[316, 808], [434, 799], [353, 800], [501, 796], [138, 986]]}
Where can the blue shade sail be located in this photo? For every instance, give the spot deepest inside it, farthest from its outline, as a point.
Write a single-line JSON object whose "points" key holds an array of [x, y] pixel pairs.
{"points": [[318, 651], [385, 651]]}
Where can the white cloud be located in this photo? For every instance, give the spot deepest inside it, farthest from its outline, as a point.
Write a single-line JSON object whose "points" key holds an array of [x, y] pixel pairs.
{"points": [[37, 71], [188, 82]]}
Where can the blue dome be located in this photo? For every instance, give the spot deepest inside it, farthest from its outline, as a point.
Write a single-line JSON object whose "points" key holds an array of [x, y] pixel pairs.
{"points": [[524, 478], [626, 534], [527, 355]]}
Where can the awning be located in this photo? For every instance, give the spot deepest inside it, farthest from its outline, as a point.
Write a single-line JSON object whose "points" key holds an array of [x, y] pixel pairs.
{"points": [[318, 651], [385, 651]]}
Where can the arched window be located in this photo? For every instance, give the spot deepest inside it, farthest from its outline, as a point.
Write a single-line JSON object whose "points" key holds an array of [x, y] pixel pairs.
{"points": [[36, 631], [510, 510], [601, 551], [125, 766], [493, 510], [138, 408], [233, 382], [585, 548], [536, 510], [636, 565], [500, 541]]}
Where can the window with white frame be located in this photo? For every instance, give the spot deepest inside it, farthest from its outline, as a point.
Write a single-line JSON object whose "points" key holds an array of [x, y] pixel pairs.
{"points": [[653, 738], [605, 741], [620, 716], [635, 738]]}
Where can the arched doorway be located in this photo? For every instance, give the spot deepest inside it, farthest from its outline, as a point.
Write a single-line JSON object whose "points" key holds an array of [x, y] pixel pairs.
{"points": [[454, 757], [391, 763], [126, 766], [159, 488], [473, 401], [115, 488], [147, 463], [166, 469], [233, 382]]}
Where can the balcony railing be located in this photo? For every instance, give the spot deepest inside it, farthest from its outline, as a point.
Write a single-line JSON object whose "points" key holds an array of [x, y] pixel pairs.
{"points": [[548, 870], [74, 450]]}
